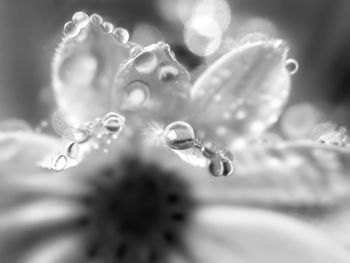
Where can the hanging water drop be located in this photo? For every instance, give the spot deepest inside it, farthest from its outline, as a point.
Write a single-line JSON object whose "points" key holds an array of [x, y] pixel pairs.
{"points": [[209, 150], [292, 66], [72, 150], [216, 167], [146, 62], [113, 122], [96, 19], [81, 19], [167, 73], [60, 163], [136, 95], [179, 135], [108, 27], [121, 34], [71, 29]]}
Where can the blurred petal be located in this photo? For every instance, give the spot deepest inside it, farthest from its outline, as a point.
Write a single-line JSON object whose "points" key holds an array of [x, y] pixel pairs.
{"points": [[68, 248], [243, 93], [307, 180], [83, 71], [227, 234], [21, 151], [26, 226]]}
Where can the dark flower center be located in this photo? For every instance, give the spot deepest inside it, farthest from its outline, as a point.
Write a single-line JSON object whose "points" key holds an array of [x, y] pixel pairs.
{"points": [[138, 213]]}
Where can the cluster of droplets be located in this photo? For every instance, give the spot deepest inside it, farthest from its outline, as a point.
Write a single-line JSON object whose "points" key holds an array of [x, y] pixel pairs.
{"points": [[81, 20], [93, 134], [179, 135]]}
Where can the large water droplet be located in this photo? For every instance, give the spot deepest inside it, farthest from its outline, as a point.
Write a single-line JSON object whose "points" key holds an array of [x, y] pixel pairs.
{"points": [[113, 122], [292, 66], [146, 62], [96, 19], [136, 95], [179, 135], [81, 19], [121, 34], [71, 29], [108, 27], [167, 73], [60, 163]]}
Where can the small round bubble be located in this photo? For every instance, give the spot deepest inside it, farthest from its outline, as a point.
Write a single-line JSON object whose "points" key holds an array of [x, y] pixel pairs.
{"points": [[168, 73], [179, 135], [146, 62], [73, 150], [136, 95], [71, 29], [96, 19], [60, 163], [81, 19], [113, 122], [292, 66], [121, 34], [108, 27]]}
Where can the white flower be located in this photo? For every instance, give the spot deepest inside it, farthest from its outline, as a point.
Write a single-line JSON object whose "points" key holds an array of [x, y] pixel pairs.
{"points": [[140, 202]]}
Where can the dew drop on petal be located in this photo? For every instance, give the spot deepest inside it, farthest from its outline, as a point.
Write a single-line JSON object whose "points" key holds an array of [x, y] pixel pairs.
{"points": [[179, 135], [108, 27], [146, 62], [72, 150], [167, 73], [216, 167], [71, 29], [81, 19], [113, 122], [121, 34], [292, 66], [60, 162], [136, 95], [96, 19]]}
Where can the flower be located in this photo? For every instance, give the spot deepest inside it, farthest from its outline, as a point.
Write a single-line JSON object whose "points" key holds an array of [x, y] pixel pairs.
{"points": [[140, 202]]}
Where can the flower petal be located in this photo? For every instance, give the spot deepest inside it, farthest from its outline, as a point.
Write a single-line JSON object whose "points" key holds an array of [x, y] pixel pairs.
{"points": [[67, 249], [227, 234], [243, 93], [83, 72], [307, 180], [21, 151]]}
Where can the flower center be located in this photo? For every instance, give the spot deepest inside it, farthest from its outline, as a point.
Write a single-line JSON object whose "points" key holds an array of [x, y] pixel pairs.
{"points": [[138, 212]]}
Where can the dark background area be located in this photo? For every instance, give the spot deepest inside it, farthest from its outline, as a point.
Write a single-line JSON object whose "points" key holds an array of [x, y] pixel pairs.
{"points": [[318, 32]]}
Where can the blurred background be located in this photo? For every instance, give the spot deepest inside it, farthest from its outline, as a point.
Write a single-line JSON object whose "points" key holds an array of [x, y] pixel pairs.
{"points": [[200, 31]]}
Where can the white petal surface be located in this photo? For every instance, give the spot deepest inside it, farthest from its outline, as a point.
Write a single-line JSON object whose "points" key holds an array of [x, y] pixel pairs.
{"points": [[83, 70], [243, 92], [21, 151], [227, 234]]}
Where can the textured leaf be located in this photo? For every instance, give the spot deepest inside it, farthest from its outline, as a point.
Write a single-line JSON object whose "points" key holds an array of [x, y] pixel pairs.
{"points": [[243, 93]]}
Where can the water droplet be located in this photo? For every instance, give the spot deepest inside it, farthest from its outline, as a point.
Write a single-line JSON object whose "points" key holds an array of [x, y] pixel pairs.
{"points": [[292, 66], [121, 34], [216, 167], [146, 62], [81, 19], [72, 150], [219, 166], [136, 95], [96, 19], [80, 135], [108, 27], [209, 150], [167, 73], [71, 29], [60, 163], [113, 122], [179, 135]]}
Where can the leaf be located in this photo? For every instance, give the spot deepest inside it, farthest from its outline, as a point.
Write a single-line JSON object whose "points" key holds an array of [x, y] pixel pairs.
{"points": [[242, 93]]}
